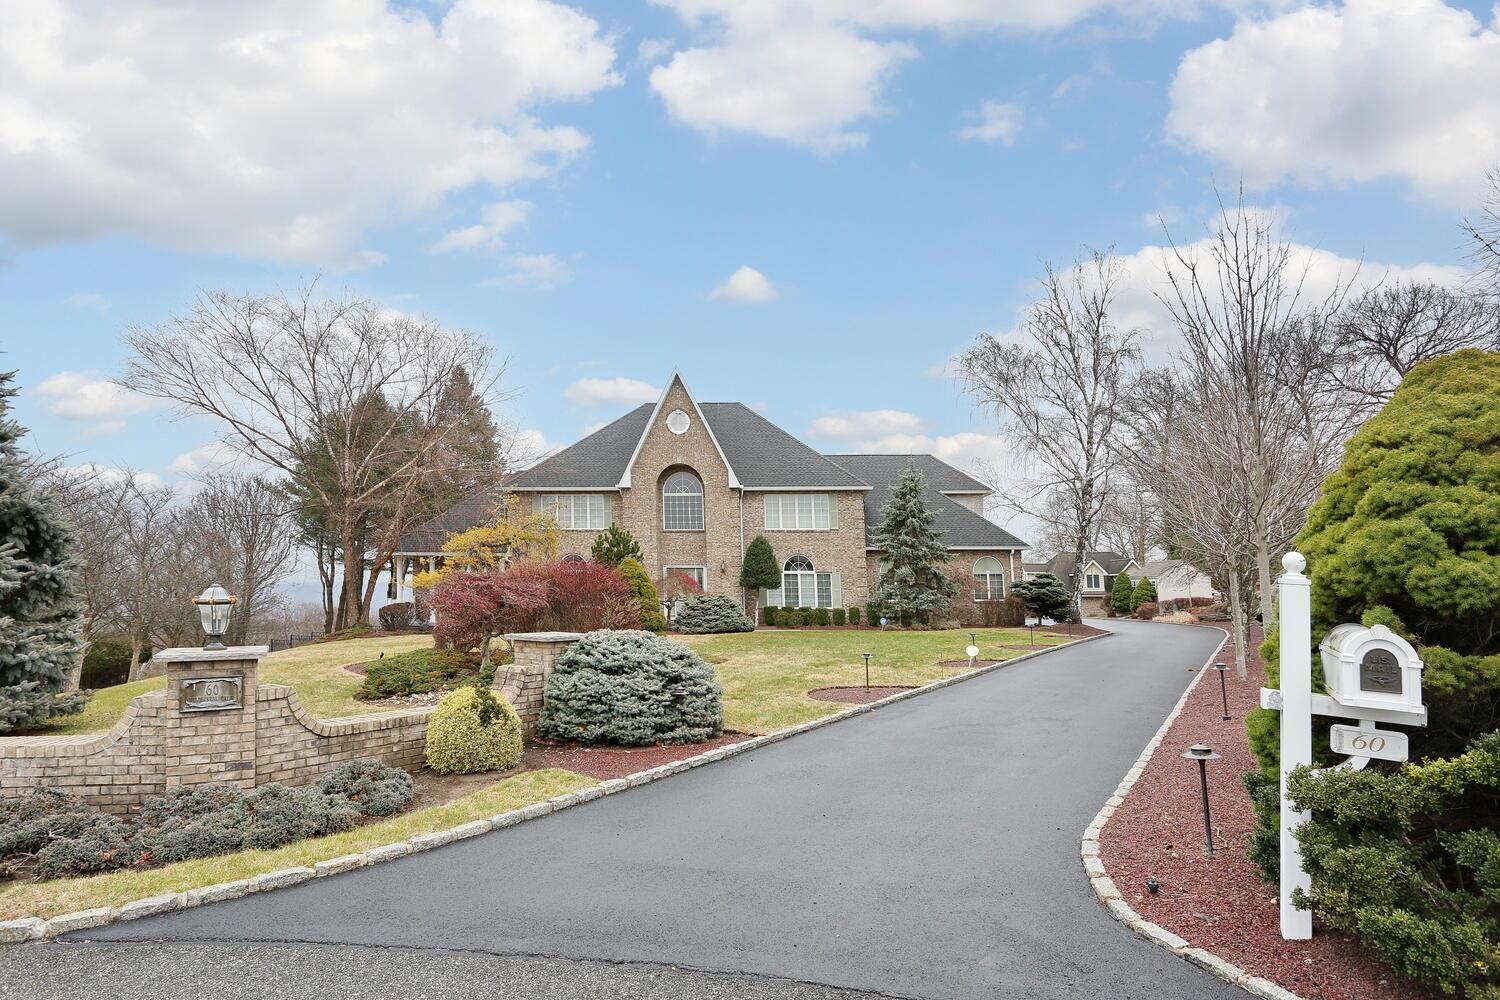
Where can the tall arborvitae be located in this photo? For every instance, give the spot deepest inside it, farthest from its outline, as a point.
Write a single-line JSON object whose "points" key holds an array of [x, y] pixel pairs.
{"points": [[39, 621], [913, 586]]}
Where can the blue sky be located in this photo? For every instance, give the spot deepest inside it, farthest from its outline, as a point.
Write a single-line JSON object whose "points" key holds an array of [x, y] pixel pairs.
{"points": [[842, 150]]}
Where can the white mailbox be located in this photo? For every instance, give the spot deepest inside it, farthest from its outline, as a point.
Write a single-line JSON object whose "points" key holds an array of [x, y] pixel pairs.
{"points": [[1372, 668]]}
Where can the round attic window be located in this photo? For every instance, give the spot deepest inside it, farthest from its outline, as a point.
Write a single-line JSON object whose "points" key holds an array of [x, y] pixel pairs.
{"points": [[677, 422]]}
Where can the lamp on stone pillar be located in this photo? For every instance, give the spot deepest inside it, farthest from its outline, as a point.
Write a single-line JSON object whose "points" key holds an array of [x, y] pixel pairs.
{"points": [[214, 607]]}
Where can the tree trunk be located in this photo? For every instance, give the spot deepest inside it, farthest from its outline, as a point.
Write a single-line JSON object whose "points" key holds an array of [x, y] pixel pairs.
{"points": [[136, 645], [1237, 624], [74, 676], [1263, 572], [354, 571], [484, 652]]}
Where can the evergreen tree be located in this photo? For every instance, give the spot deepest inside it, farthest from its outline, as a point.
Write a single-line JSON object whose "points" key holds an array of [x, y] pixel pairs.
{"points": [[912, 584], [1044, 597], [1144, 593], [643, 590], [39, 621], [1120, 595], [614, 545], [760, 568]]}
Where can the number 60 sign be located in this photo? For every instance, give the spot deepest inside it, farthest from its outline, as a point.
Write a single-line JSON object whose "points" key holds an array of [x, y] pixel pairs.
{"points": [[1358, 741]]}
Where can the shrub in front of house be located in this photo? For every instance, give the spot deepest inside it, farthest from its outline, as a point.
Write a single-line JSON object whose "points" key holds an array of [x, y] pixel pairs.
{"points": [[838, 616], [644, 592], [820, 616], [872, 613], [401, 615], [854, 616], [1008, 612], [768, 615], [472, 730], [712, 613], [1144, 592], [416, 672], [47, 834], [1146, 610], [632, 688]]}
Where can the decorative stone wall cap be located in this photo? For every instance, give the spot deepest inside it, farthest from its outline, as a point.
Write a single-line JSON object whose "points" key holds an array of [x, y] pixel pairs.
{"points": [[197, 654], [544, 636]]}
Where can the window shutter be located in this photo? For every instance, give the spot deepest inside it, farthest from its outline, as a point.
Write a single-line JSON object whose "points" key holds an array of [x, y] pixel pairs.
{"points": [[837, 586], [833, 521], [771, 598], [609, 512]]}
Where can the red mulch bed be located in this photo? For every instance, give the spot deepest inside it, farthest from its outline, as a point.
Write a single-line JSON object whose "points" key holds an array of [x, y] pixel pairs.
{"points": [[858, 695], [1222, 905], [605, 763]]}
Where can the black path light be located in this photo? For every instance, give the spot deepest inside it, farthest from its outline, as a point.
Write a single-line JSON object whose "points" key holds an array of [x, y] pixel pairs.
{"points": [[1223, 668], [1203, 753], [214, 607], [867, 669]]}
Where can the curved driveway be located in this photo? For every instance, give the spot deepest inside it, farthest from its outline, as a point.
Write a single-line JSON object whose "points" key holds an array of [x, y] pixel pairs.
{"points": [[929, 849]]}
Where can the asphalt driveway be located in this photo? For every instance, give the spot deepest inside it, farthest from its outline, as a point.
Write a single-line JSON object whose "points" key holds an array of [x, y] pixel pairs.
{"points": [[929, 849]]}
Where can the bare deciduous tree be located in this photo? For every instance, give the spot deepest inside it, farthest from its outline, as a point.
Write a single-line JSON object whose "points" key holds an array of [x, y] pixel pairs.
{"points": [[247, 541], [1060, 392], [1484, 241], [1246, 327], [1378, 337], [341, 396]]}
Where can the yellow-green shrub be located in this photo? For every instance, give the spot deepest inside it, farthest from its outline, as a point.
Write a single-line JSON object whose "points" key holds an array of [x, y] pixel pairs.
{"points": [[472, 730]]}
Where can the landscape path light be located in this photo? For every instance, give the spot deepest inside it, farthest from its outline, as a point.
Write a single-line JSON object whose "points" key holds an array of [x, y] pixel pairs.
{"points": [[1203, 753], [1223, 668], [214, 607], [867, 669]]}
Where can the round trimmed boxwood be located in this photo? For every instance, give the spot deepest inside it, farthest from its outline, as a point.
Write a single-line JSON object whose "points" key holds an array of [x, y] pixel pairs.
{"points": [[472, 730], [632, 688]]}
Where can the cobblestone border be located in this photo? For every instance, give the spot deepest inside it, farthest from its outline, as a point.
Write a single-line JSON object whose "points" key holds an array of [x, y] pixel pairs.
{"points": [[26, 929], [1109, 893]]}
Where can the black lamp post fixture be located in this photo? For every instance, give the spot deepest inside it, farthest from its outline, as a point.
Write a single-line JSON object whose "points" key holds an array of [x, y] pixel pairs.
{"points": [[1203, 753], [214, 607], [1223, 668], [867, 669]]}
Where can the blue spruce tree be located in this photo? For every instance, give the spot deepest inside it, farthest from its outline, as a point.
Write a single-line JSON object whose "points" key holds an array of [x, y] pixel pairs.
{"points": [[913, 586], [39, 642]]}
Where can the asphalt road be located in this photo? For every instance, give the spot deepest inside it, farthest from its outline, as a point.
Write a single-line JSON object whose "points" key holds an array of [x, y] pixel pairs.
{"points": [[929, 849]]}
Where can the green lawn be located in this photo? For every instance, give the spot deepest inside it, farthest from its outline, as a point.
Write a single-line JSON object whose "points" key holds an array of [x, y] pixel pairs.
{"points": [[316, 671], [66, 895], [767, 674]]}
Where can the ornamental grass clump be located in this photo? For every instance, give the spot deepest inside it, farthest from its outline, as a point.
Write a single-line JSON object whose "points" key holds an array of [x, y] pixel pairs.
{"points": [[712, 613], [470, 731], [632, 688]]}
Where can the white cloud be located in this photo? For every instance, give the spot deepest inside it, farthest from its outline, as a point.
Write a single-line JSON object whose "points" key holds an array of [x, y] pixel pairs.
{"points": [[88, 398], [214, 457], [88, 300], [746, 286], [1356, 92], [995, 121], [282, 129], [541, 271], [867, 425], [530, 447], [808, 71], [611, 392], [496, 219], [150, 480], [653, 50]]}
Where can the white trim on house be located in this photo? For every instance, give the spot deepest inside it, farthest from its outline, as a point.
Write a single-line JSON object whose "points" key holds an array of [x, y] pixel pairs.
{"points": [[624, 483]]}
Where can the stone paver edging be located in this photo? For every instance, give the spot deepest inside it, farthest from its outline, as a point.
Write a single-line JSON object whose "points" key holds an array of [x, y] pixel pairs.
{"points": [[24, 929], [1109, 893]]}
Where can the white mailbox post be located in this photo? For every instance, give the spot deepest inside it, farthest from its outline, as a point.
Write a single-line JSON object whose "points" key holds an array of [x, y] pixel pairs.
{"points": [[1373, 676]]}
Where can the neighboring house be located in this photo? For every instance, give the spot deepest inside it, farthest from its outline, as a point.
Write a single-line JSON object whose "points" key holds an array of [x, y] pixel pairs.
{"points": [[1099, 571], [695, 483], [1176, 579]]}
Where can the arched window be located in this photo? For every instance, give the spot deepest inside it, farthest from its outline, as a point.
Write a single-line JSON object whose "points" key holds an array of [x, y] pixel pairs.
{"points": [[989, 579], [799, 584], [573, 557], [682, 502]]}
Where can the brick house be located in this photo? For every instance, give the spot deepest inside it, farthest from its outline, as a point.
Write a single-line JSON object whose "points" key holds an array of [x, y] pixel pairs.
{"points": [[695, 483], [1099, 571]]}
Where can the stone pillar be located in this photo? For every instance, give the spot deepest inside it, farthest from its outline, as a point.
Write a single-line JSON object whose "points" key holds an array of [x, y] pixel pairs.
{"points": [[209, 718], [523, 681]]}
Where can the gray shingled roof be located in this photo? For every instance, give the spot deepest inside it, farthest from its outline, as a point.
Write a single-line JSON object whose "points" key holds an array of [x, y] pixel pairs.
{"points": [[766, 457], [595, 463], [961, 527], [1061, 565]]}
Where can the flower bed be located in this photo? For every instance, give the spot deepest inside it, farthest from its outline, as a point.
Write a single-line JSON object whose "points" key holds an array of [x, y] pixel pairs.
{"points": [[1220, 904]]}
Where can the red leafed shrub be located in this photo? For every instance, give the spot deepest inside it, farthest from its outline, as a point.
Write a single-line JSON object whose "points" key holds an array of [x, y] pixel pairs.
{"points": [[1146, 609], [473, 605], [581, 597], [398, 616], [677, 586]]}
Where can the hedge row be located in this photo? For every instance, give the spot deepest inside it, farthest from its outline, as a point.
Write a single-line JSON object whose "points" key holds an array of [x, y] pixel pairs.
{"points": [[801, 617]]}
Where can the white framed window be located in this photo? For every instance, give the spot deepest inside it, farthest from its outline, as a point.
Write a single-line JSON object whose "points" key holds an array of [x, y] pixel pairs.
{"points": [[1093, 581], [801, 512], [698, 573], [682, 502], [574, 512], [804, 587], [989, 579], [678, 422]]}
